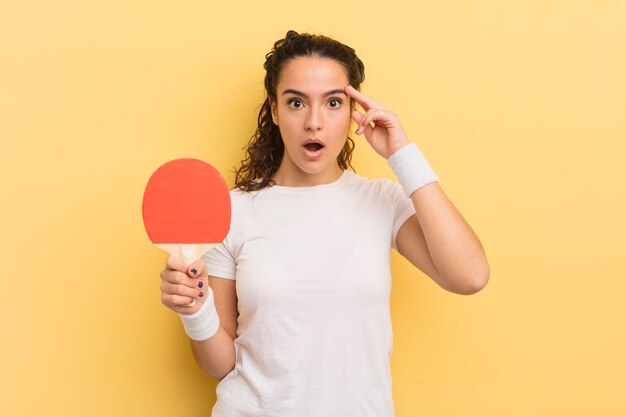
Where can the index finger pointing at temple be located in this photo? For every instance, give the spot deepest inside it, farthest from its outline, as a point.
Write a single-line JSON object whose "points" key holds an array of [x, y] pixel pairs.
{"points": [[365, 102]]}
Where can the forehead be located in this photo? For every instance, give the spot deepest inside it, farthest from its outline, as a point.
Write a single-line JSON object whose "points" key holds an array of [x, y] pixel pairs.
{"points": [[312, 74]]}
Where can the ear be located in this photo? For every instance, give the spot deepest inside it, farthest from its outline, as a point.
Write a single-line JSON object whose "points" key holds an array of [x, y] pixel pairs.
{"points": [[274, 112]]}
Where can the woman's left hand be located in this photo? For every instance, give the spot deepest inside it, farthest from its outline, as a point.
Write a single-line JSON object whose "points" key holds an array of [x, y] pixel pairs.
{"points": [[387, 136]]}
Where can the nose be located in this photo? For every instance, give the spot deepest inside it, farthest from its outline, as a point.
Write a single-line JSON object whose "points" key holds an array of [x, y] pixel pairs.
{"points": [[314, 119]]}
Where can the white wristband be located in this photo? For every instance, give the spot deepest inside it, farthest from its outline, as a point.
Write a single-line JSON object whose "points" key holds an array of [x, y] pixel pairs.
{"points": [[205, 322], [411, 168]]}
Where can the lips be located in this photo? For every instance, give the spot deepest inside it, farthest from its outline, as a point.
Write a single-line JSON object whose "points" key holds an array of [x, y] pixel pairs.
{"points": [[313, 140], [313, 148]]}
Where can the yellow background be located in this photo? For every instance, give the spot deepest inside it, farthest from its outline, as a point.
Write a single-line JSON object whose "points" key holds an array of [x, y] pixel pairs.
{"points": [[520, 107]]}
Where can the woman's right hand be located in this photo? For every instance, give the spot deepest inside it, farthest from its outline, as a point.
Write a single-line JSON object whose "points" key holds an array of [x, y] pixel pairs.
{"points": [[180, 285]]}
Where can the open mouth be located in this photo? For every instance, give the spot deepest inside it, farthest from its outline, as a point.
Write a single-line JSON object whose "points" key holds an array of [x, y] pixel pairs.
{"points": [[313, 147], [313, 150]]}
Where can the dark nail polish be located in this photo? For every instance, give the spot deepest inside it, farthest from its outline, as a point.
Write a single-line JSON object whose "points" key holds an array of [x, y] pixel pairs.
{"points": [[200, 284], [201, 294], [194, 271]]}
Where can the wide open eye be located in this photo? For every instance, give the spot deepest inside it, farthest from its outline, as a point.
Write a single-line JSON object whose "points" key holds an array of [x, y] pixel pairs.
{"points": [[294, 100], [337, 103]]}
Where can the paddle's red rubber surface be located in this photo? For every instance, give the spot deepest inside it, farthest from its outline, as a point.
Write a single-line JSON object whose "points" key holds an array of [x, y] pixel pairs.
{"points": [[186, 201]]}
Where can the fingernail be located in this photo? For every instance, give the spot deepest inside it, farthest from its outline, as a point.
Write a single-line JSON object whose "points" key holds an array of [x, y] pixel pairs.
{"points": [[201, 294], [194, 271], [200, 284]]}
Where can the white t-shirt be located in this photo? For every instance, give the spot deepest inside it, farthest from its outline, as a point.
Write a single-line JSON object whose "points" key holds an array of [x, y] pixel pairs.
{"points": [[313, 279]]}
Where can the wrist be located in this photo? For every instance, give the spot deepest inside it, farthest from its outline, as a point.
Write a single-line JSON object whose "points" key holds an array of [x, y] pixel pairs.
{"points": [[204, 323], [411, 168]]}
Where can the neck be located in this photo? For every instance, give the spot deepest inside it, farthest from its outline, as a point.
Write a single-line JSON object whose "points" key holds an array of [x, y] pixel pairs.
{"points": [[298, 178]]}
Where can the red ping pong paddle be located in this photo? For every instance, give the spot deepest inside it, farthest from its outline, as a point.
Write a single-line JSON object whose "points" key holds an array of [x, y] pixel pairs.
{"points": [[186, 208]]}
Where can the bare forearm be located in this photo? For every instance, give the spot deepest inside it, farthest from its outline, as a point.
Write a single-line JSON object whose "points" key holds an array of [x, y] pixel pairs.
{"points": [[216, 355], [454, 248]]}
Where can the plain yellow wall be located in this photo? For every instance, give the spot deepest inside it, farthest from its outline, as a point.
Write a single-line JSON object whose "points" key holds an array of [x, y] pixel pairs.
{"points": [[520, 107]]}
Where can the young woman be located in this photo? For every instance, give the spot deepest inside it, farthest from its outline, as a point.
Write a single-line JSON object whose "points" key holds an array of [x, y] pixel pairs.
{"points": [[292, 312]]}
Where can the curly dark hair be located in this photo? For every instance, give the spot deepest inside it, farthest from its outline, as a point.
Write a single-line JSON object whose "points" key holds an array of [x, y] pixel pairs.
{"points": [[265, 149]]}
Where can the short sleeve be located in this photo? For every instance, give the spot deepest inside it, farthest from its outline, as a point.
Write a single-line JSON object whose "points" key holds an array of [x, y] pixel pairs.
{"points": [[220, 261], [403, 209]]}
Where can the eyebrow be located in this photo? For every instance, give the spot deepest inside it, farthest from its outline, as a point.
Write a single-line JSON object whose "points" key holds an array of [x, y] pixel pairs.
{"points": [[328, 93]]}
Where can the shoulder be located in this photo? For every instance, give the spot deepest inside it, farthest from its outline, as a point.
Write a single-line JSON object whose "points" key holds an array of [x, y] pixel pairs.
{"points": [[239, 194], [376, 185]]}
